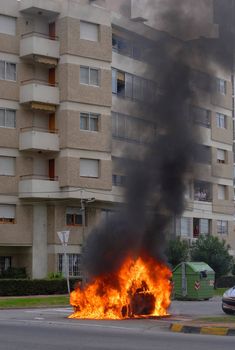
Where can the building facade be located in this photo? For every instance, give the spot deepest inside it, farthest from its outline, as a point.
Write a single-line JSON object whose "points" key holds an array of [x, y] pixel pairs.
{"points": [[71, 72]]}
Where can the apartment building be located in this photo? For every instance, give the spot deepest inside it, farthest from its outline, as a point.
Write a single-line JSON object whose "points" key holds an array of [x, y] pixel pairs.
{"points": [[71, 73]]}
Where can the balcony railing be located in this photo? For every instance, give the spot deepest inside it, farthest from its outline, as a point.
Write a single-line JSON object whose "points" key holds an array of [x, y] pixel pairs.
{"points": [[36, 128], [38, 139], [38, 177], [38, 82], [39, 92], [40, 48], [39, 186], [202, 196], [39, 35]]}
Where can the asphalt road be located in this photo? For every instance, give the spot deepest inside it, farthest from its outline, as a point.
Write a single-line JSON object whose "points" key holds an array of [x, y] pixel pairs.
{"points": [[50, 329], [94, 336]]}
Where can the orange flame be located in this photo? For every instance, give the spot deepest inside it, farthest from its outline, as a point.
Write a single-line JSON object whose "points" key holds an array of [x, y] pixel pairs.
{"points": [[140, 287]]}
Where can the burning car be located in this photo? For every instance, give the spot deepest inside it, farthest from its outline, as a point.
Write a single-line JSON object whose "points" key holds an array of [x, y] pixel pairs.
{"points": [[228, 301], [140, 288]]}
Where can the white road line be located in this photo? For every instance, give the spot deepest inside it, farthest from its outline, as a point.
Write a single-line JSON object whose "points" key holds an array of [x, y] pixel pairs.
{"points": [[44, 321]]}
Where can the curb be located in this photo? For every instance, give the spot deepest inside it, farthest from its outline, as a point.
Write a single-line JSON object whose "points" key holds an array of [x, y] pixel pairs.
{"points": [[208, 330]]}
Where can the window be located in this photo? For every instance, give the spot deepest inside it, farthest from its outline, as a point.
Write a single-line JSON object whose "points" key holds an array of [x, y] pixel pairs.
{"points": [[89, 121], [222, 192], [222, 227], [107, 214], [7, 214], [221, 156], [202, 154], [7, 71], [221, 86], [132, 86], [201, 227], [221, 120], [183, 226], [201, 116], [119, 180], [89, 31], [7, 118], [89, 76], [7, 25], [7, 166], [132, 128], [121, 45], [200, 80], [202, 191], [5, 263], [89, 168], [73, 217], [74, 262]]}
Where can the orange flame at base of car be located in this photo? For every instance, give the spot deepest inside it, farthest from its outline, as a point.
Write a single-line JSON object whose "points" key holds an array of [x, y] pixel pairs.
{"points": [[141, 287]]}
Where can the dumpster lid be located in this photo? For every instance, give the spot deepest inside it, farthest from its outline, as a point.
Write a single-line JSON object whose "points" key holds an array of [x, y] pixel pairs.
{"points": [[196, 266], [199, 266]]}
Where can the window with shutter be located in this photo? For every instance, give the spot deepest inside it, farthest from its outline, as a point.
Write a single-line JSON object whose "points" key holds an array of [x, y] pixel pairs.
{"points": [[89, 168], [7, 25], [7, 166], [89, 31], [7, 214]]}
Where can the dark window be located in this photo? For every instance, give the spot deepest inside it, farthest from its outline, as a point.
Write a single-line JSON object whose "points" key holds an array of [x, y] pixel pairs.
{"points": [[74, 264], [202, 154], [119, 180], [201, 227], [73, 217], [5, 263], [202, 191], [201, 116]]}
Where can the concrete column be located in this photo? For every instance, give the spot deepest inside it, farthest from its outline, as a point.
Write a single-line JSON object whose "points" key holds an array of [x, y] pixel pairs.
{"points": [[39, 251]]}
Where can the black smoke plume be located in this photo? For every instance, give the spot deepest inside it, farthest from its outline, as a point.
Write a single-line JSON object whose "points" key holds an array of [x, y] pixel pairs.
{"points": [[156, 176]]}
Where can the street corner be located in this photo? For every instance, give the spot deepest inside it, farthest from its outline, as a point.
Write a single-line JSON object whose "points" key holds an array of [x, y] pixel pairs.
{"points": [[202, 329]]}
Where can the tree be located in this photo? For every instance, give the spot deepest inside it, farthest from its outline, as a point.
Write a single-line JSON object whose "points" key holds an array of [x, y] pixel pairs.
{"points": [[177, 251], [214, 252]]}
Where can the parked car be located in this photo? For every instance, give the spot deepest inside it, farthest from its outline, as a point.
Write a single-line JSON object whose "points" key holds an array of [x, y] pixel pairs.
{"points": [[228, 301]]}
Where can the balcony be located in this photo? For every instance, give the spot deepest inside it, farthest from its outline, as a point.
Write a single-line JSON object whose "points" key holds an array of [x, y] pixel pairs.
{"points": [[38, 139], [45, 8], [38, 186], [40, 48], [39, 95]]}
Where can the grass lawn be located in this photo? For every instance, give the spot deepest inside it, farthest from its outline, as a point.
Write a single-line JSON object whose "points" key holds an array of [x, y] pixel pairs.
{"points": [[27, 302], [219, 291], [218, 319]]}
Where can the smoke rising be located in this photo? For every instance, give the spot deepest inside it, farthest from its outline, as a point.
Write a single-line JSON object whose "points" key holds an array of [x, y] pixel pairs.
{"points": [[157, 176]]}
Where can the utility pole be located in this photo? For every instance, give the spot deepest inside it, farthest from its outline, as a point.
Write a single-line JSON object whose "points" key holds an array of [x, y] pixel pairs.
{"points": [[84, 202]]}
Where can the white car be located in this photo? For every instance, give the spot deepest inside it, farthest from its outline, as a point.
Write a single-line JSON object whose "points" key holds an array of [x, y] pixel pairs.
{"points": [[228, 301]]}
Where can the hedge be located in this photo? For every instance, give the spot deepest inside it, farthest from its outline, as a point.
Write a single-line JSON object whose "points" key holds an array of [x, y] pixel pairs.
{"points": [[14, 272], [24, 287], [225, 282]]}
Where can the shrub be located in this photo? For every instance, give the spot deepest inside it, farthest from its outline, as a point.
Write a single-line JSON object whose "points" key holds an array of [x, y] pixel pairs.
{"points": [[233, 270], [14, 272], [55, 275], [213, 252], [177, 251], [21, 287], [225, 282]]}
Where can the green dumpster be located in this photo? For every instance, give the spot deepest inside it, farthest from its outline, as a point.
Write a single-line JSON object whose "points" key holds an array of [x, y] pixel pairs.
{"points": [[193, 281]]}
